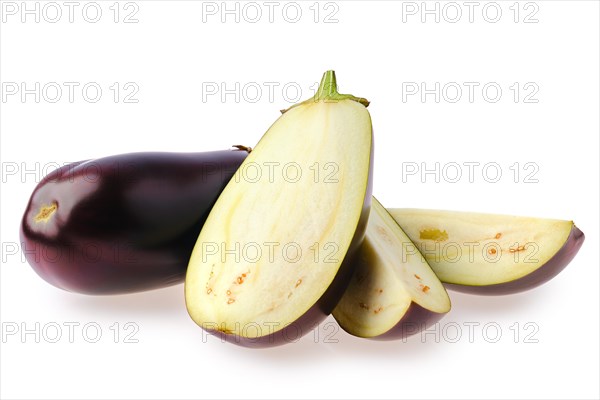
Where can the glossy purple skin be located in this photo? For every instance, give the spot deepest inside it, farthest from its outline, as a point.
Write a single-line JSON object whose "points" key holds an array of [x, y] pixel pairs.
{"points": [[415, 320], [543, 274], [124, 223], [327, 302]]}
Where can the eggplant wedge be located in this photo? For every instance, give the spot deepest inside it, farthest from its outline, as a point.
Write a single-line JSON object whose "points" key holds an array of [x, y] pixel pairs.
{"points": [[491, 254], [272, 259], [393, 293]]}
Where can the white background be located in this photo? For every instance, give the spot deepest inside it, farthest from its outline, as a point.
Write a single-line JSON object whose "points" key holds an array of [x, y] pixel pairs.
{"points": [[173, 56]]}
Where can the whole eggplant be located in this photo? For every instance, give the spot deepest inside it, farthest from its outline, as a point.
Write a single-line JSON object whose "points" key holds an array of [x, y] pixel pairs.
{"points": [[123, 223]]}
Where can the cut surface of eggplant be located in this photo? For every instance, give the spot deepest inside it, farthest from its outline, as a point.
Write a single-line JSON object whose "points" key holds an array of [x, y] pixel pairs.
{"points": [[489, 253], [271, 253], [393, 293]]}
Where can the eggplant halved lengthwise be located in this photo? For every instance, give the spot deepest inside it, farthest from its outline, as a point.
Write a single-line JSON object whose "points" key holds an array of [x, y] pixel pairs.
{"points": [[491, 254], [124, 223], [393, 293], [272, 259]]}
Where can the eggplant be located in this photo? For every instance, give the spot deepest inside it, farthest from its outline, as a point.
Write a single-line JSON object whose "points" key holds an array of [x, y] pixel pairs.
{"points": [[241, 284], [491, 254], [124, 223], [394, 293]]}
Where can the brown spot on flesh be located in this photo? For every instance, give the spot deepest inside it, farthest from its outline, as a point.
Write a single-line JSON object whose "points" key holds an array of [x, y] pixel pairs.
{"points": [[520, 248], [240, 279], [424, 288]]}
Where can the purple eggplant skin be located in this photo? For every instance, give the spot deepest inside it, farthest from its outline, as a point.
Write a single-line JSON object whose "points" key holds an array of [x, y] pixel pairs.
{"points": [[543, 274], [124, 223], [416, 320]]}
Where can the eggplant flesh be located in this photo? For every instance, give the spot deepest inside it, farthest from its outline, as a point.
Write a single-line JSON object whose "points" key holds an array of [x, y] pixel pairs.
{"points": [[491, 254], [124, 223], [263, 297], [393, 293]]}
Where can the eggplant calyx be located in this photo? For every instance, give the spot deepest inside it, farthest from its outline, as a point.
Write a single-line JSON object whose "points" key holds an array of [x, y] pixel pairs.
{"points": [[328, 93], [241, 147]]}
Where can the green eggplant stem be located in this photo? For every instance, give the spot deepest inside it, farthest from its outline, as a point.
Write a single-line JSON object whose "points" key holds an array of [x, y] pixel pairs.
{"points": [[328, 92]]}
